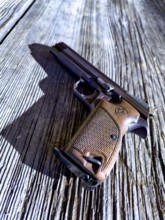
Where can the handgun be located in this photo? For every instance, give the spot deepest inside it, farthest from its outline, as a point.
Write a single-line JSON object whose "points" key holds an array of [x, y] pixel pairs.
{"points": [[93, 150]]}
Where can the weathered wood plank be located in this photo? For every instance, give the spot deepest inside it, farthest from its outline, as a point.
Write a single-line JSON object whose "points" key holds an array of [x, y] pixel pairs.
{"points": [[10, 13], [124, 39]]}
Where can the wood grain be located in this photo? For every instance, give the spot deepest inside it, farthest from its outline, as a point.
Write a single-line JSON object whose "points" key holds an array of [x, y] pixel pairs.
{"points": [[125, 40], [10, 13]]}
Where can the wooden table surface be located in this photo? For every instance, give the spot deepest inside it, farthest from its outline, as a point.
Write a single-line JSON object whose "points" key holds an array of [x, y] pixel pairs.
{"points": [[125, 39]]}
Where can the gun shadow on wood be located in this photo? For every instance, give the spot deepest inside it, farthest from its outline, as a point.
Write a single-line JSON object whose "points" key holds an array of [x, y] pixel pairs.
{"points": [[50, 122]]}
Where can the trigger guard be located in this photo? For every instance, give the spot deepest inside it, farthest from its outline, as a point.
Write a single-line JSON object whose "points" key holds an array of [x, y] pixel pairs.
{"points": [[87, 99]]}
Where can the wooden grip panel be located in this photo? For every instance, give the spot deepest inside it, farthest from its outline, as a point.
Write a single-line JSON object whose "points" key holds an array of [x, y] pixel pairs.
{"points": [[100, 137]]}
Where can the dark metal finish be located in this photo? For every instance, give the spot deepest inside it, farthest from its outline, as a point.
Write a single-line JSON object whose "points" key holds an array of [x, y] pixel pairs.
{"points": [[83, 69]]}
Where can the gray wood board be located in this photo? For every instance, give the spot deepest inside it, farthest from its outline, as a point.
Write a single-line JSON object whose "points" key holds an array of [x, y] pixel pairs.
{"points": [[125, 40], [10, 13]]}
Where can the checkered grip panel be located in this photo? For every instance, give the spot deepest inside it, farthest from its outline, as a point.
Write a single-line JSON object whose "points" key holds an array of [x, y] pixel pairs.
{"points": [[97, 136]]}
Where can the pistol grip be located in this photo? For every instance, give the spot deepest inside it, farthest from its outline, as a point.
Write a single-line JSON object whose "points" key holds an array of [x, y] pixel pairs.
{"points": [[96, 144]]}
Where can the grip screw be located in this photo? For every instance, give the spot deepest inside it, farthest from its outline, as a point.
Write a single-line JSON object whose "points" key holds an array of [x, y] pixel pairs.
{"points": [[113, 137]]}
